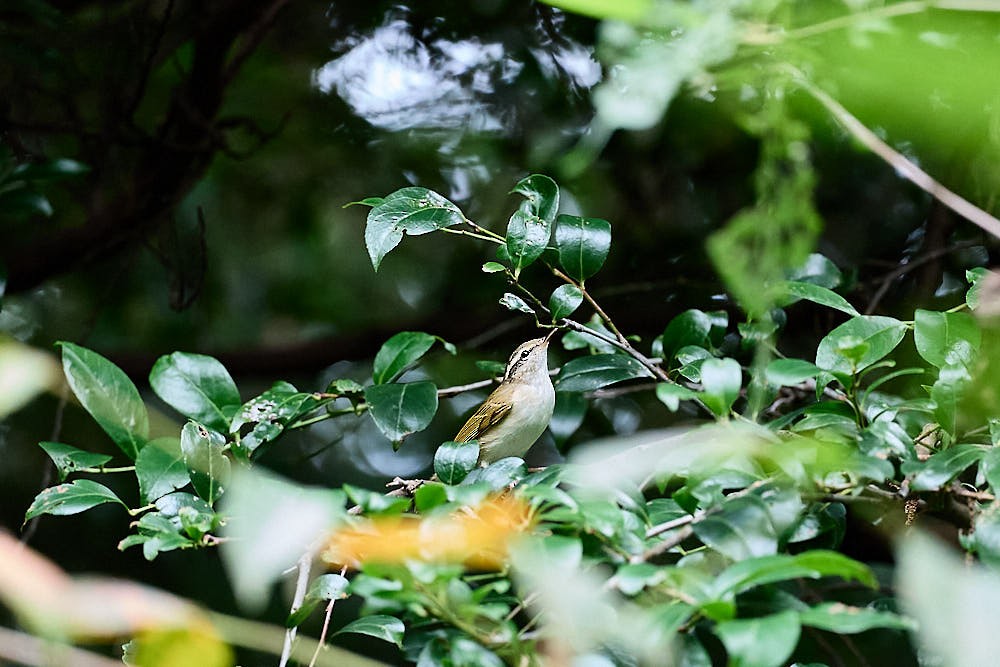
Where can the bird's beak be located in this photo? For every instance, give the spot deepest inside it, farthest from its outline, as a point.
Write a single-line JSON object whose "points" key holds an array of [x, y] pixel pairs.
{"points": [[549, 335]]}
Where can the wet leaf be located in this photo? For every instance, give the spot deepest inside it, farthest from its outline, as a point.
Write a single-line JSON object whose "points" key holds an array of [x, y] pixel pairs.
{"points": [[583, 245]]}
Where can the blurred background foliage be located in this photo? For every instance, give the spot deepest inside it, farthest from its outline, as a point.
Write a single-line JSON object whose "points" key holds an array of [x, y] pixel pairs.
{"points": [[208, 150]]}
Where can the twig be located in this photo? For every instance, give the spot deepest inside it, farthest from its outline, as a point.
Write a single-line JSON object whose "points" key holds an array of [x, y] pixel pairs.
{"points": [[902, 270], [326, 625], [661, 528], [301, 585], [900, 162], [664, 546], [24, 649]]}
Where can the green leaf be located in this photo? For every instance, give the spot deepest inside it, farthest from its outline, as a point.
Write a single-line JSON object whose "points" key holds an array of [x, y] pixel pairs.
{"points": [[192, 515], [197, 386], [530, 226], [947, 393], [990, 468], [747, 574], [722, 379], [401, 409], [323, 588], [514, 302], [157, 533], [108, 395], [50, 170], [570, 409], [598, 370], [160, 469], [760, 642], [564, 300], [454, 460], [818, 270], [429, 496], [583, 245], [399, 354], [858, 343], [942, 467], [794, 291], [944, 339], [985, 536], [689, 328], [206, 464], [69, 459], [386, 628], [411, 211], [846, 620], [743, 529], [271, 412], [974, 277], [622, 10], [671, 395], [790, 372], [26, 201], [499, 474], [493, 267], [73, 498], [367, 201]]}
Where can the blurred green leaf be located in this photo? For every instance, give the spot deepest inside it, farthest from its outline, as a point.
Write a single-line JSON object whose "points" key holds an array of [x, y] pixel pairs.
{"points": [[564, 300], [598, 370], [817, 270], [401, 409], [72, 498], [747, 574], [974, 278], [721, 379], [741, 530], [160, 469], [847, 620], [69, 459], [323, 588], [671, 395], [207, 465], [583, 245], [767, 641], [386, 628], [942, 467], [499, 474], [790, 372], [411, 211], [454, 460], [946, 338], [197, 386], [108, 395], [49, 170], [986, 535], [872, 336], [622, 10]]}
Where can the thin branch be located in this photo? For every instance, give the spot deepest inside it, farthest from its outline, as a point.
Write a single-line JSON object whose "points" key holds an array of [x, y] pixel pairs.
{"points": [[900, 162], [301, 585], [902, 270]]}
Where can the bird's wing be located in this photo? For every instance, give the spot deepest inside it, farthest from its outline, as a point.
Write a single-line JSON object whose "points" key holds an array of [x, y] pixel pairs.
{"points": [[486, 417]]}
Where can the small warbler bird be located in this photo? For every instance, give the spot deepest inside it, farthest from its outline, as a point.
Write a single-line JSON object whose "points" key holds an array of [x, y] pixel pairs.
{"points": [[513, 417]]}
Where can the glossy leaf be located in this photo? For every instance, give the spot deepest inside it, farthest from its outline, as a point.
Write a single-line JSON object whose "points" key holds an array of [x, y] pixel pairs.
{"points": [[493, 267], [747, 574], [499, 474], [108, 395], [69, 459], [974, 277], [564, 301], [985, 538], [847, 620], [401, 409], [944, 339], [794, 291], [49, 170], [454, 460], [598, 370], [721, 379], [271, 412], [323, 588], [156, 533], [514, 302], [743, 529], [671, 395], [947, 394], [760, 642], [400, 353], [386, 628], [71, 498], [160, 469], [858, 343], [207, 466], [691, 327], [583, 245], [197, 386], [790, 372], [990, 468], [818, 270], [944, 466], [413, 211], [530, 226]]}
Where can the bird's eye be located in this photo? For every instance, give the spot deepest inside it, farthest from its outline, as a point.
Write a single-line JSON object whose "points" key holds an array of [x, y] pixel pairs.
{"points": [[524, 355]]}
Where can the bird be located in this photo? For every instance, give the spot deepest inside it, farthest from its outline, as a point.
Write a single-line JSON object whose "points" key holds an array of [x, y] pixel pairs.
{"points": [[513, 417]]}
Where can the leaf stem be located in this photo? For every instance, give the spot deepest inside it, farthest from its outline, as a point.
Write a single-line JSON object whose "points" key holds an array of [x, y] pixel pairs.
{"points": [[140, 510], [102, 469]]}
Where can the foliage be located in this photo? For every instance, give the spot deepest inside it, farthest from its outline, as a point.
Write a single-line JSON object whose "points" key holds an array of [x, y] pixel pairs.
{"points": [[721, 538]]}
